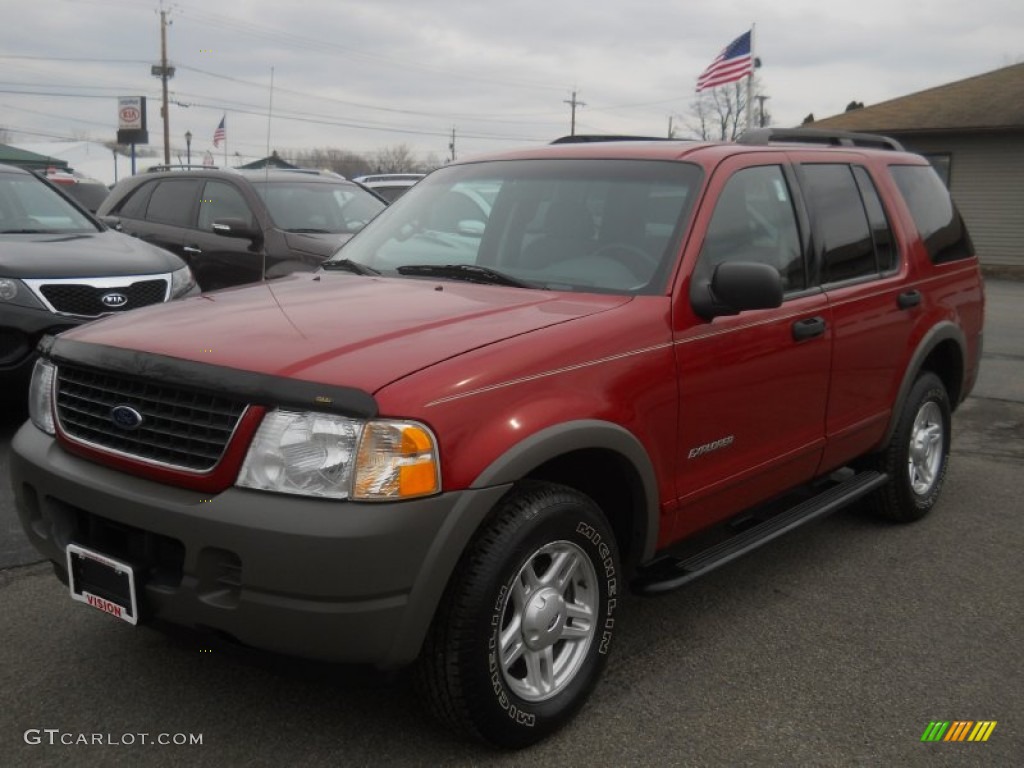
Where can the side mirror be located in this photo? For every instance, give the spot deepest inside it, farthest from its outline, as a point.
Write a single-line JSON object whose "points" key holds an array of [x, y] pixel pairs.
{"points": [[736, 286], [235, 228], [113, 222]]}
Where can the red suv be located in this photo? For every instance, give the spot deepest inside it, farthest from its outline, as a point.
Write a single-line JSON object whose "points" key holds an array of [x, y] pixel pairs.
{"points": [[536, 382]]}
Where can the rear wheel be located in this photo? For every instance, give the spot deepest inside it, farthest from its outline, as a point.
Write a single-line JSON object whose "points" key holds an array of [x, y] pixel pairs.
{"points": [[918, 454], [525, 626]]}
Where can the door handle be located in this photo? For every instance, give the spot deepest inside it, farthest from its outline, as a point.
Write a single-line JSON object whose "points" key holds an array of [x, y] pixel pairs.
{"points": [[909, 299], [192, 249], [808, 328]]}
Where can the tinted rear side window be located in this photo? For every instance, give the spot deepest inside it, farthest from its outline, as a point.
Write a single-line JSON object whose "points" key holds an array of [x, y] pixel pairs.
{"points": [[135, 206], [172, 202], [937, 219], [885, 245], [841, 223]]}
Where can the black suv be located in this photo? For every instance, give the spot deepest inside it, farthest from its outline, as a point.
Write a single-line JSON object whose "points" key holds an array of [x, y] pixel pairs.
{"points": [[59, 268], [235, 227]]}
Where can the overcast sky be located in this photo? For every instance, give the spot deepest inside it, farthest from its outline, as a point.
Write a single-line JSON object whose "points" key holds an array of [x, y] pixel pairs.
{"points": [[364, 75]]}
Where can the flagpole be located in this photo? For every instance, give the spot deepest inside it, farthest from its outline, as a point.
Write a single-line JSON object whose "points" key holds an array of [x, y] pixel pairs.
{"points": [[750, 81], [225, 143]]}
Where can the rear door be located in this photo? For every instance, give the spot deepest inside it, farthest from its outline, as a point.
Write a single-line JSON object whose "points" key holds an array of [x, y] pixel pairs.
{"points": [[753, 387], [169, 208], [863, 273]]}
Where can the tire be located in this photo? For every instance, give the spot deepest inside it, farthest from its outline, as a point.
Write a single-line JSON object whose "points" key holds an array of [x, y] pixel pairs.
{"points": [[917, 456], [537, 586]]}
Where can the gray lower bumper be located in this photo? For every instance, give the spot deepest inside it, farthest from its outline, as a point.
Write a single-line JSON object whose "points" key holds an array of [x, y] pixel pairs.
{"points": [[330, 580]]}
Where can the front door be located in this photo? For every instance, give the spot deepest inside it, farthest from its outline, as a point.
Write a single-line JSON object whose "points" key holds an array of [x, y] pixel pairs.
{"points": [[753, 387]]}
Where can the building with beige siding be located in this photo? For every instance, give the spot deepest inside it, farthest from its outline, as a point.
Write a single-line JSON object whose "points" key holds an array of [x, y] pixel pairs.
{"points": [[973, 132]]}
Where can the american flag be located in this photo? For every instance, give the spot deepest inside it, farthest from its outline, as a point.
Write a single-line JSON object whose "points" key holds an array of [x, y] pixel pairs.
{"points": [[734, 63], [220, 134]]}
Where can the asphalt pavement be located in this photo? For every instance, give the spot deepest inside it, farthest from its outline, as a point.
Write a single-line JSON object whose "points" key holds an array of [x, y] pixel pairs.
{"points": [[834, 646]]}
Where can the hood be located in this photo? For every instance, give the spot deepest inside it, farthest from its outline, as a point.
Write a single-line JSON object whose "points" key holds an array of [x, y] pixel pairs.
{"points": [[319, 244], [346, 330], [88, 254]]}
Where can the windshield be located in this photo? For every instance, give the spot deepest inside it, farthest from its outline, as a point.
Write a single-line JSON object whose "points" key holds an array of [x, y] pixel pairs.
{"points": [[28, 206], [297, 206], [587, 225]]}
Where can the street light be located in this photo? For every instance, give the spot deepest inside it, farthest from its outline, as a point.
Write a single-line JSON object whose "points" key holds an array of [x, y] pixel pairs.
{"points": [[188, 147]]}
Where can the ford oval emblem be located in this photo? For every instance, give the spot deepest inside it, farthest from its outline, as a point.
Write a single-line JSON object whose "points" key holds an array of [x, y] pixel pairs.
{"points": [[125, 417], [114, 300]]}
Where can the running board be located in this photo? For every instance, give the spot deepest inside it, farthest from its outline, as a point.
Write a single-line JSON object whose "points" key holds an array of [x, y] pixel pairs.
{"points": [[828, 501]]}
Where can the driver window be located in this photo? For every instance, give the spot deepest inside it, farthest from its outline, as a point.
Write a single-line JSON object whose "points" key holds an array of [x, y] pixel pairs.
{"points": [[754, 221], [222, 201]]}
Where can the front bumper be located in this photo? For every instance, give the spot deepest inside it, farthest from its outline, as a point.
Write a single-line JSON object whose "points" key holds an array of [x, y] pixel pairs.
{"points": [[338, 581]]}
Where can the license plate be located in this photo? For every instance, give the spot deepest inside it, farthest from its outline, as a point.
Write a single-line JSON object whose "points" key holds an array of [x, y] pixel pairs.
{"points": [[104, 583]]}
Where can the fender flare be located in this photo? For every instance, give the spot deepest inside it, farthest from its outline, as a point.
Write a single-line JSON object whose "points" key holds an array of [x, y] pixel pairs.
{"points": [[552, 442], [945, 331]]}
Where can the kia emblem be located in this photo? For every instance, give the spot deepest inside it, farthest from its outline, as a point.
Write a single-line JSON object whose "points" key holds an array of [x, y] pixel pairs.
{"points": [[125, 417], [114, 300]]}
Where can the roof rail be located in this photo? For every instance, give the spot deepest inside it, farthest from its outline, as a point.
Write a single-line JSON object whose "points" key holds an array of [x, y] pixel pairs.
{"points": [[763, 136], [182, 167], [583, 138]]}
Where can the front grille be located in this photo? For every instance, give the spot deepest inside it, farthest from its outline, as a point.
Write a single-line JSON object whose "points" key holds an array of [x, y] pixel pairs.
{"points": [[84, 299], [180, 427]]}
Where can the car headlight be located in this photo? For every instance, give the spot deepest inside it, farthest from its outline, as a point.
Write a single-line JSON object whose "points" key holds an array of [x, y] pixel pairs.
{"points": [[335, 457], [40, 395], [15, 292], [182, 281]]}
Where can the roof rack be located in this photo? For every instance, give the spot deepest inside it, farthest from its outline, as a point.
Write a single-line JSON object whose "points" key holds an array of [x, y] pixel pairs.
{"points": [[182, 167], [583, 138], [763, 136]]}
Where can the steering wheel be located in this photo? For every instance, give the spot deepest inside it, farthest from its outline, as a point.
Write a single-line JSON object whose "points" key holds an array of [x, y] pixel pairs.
{"points": [[618, 251]]}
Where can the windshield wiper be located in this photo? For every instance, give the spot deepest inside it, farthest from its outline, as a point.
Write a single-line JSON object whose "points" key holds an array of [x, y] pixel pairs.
{"points": [[472, 273], [349, 266], [21, 231], [310, 231]]}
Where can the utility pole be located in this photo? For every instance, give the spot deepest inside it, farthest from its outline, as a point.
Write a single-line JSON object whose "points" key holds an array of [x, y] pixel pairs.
{"points": [[451, 146], [573, 102], [165, 73]]}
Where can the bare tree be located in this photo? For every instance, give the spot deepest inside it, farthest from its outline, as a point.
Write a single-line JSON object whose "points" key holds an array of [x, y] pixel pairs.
{"points": [[720, 114], [397, 158], [348, 164], [5, 136]]}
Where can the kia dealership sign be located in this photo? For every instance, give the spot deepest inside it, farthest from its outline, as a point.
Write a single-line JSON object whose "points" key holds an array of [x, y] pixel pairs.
{"points": [[131, 120]]}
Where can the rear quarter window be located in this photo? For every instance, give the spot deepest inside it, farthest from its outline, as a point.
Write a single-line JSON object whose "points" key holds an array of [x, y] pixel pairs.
{"points": [[937, 219]]}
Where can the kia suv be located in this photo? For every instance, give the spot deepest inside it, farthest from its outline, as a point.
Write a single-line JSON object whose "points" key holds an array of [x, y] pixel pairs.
{"points": [[59, 268], [234, 227]]}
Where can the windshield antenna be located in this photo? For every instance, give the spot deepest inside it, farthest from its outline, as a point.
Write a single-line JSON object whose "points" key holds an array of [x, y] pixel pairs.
{"points": [[266, 164]]}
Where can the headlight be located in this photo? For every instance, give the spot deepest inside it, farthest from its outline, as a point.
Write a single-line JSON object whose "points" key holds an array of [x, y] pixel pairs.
{"points": [[182, 281], [15, 292], [328, 456], [40, 396]]}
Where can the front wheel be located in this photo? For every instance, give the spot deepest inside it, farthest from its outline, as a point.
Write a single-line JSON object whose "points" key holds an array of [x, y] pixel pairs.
{"points": [[525, 626], [917, 455]]}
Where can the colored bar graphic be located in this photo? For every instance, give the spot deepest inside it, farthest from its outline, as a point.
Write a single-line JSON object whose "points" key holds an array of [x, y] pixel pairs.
{"points": [[958, 730], [982, 730]]}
